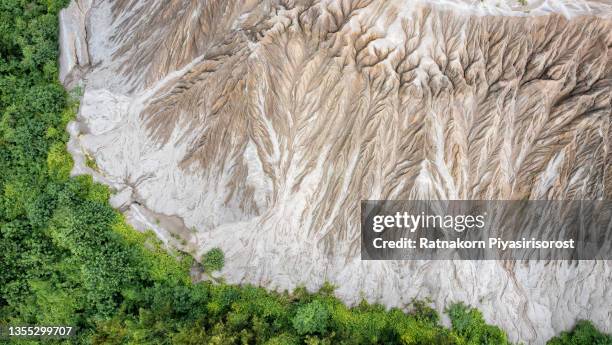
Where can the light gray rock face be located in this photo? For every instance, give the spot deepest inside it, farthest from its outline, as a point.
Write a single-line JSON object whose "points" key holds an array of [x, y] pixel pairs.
{"points": [[74, 51], [259, 126]]}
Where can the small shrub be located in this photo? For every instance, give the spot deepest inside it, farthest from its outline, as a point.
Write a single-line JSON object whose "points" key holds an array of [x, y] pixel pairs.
{"points": [[90, 162], [468, 323], [423, 312], [583, 334], [283, 339], [59, 162], [311, 318], [213, 260]]}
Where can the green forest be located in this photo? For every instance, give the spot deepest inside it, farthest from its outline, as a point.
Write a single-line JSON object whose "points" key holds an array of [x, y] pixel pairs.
{"points": [[68, 258]]}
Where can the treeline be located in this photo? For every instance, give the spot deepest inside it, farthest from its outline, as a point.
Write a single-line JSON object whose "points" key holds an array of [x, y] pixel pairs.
{"points": [[68, 258]]}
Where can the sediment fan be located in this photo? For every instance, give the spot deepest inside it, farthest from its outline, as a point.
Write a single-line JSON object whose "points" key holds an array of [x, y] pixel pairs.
{"points": [[259, 126]]}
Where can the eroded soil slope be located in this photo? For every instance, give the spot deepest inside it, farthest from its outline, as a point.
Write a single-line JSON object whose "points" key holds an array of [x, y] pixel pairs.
{"points": [[259, 126]]}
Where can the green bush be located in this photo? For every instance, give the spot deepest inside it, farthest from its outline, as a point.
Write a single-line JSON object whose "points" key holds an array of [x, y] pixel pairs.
{"points": [[583, 334], [213, 260], [311, 318], [470, 325], [283, 339]]}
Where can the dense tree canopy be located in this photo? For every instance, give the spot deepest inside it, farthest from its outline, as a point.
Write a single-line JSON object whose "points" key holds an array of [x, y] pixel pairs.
{"points": [[68, 258]]}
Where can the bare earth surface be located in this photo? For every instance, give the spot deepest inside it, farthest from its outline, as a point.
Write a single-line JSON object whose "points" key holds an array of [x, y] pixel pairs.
{"points": [[258, 127]]}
